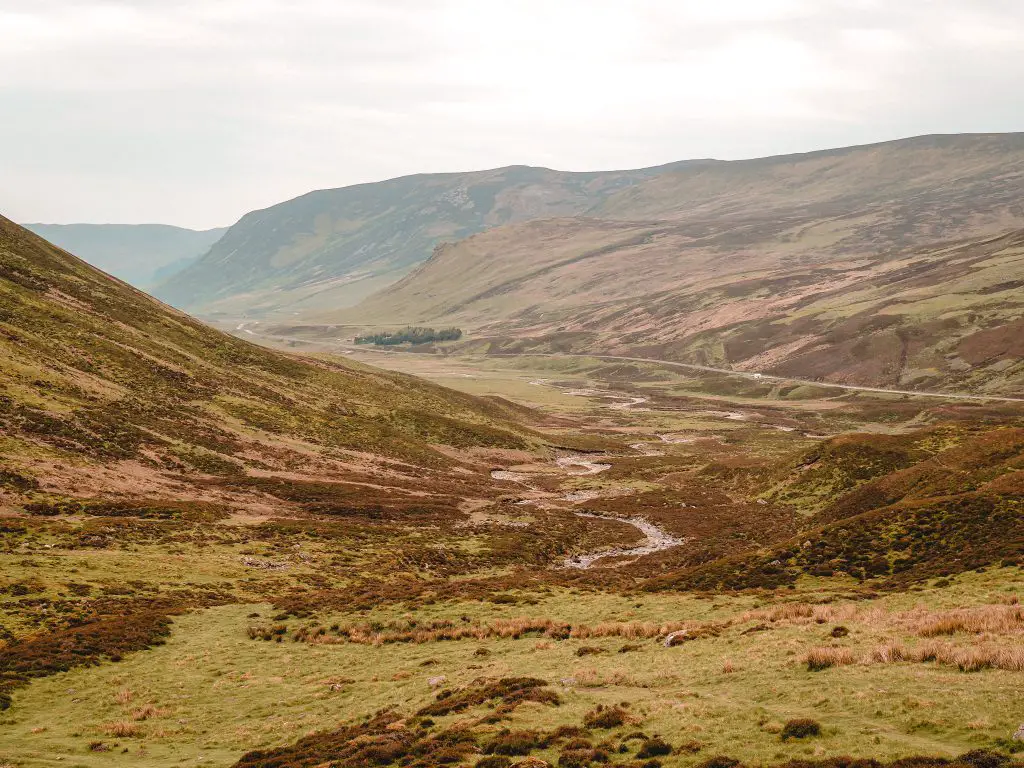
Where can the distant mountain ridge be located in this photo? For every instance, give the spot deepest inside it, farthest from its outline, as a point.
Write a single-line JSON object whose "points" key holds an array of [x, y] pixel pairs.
{"points": [[332, 247], [139, 254], [894, 264]]}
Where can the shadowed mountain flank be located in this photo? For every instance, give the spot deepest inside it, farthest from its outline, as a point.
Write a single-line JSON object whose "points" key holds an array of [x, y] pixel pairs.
{"points": [[332, 247]]}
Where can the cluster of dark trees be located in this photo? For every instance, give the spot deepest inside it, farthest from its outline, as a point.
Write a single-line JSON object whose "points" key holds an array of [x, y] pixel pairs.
{"points": [[411, 336]]}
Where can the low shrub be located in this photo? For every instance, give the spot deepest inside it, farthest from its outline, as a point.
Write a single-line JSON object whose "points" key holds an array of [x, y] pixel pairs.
{"points": [[606, 717], [514, 743], [581, 758], [800, 728], [511, 690], [382, 740], [719, 761], [654, 747]]}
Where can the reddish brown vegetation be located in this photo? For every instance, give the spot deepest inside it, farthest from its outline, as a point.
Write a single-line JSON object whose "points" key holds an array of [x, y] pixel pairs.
{"points": [[512, 691], [388, 739], [988, 346], [910, 515], [382, 740], [606, 717], [52, 652]]}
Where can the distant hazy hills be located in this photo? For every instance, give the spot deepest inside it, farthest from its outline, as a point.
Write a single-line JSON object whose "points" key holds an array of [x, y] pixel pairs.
{"points": [[140, 254], [330, 248], [897, 263]]}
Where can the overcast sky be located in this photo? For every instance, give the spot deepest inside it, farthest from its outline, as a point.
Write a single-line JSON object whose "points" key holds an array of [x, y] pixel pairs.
{"points": [[193, 112]]}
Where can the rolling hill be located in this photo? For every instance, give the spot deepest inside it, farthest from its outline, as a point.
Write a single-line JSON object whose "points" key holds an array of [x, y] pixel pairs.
{"points": [[332, 247], [892, 264], [140, 254], [106, 393]]}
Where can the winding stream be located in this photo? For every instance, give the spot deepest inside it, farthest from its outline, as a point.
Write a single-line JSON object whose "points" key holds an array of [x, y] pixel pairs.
{"points": [[657, 540]]}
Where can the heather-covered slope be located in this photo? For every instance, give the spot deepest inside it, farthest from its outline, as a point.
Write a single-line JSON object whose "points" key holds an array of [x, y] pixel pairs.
{"points": [[898, 193], [105, 391], [282, 606], [897, 509], [893, 265]]}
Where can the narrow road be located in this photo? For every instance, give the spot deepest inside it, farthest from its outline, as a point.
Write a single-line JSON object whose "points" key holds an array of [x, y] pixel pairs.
{"points": [[754, 375]]}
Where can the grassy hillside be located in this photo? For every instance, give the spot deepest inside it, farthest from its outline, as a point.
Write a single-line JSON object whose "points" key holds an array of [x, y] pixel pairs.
{"points": [[892, 265], [140, 254], [95, 372], [927, 188], [332, 247]]}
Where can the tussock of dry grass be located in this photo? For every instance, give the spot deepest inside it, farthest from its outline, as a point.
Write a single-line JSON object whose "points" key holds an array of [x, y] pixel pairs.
{"points": [[510, 628], [987, 619], [121, 729], [146, 712], [823, 658], [966, 659], [996, 619]]}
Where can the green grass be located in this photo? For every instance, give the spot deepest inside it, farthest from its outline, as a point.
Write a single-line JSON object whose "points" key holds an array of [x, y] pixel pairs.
{"points": [[219, 693]]}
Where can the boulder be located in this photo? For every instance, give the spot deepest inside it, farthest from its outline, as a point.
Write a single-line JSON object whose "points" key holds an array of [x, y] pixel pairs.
{"points": [[676, 638]]}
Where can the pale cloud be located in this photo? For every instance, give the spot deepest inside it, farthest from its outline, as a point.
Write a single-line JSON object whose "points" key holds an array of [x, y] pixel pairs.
{"points": [[196, 111]]}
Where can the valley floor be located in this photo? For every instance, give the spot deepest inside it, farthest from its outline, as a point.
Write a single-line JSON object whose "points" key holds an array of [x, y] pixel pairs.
{"points": [[482, 637]]}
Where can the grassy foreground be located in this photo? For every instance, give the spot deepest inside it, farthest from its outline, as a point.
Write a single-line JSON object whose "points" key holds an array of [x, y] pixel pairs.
{"points": [[210, 692]]}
